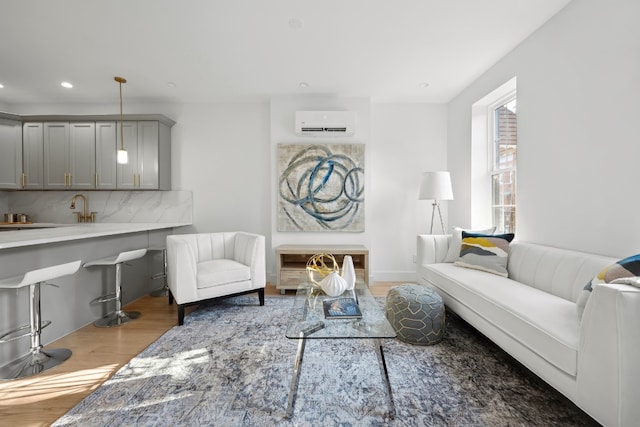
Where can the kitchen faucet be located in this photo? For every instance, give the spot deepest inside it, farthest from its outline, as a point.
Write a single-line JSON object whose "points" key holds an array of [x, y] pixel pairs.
{"points": [[83, 217]]}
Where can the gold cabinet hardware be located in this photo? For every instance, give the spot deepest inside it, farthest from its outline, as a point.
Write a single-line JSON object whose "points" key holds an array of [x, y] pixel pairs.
{"points": [[24, 179]]}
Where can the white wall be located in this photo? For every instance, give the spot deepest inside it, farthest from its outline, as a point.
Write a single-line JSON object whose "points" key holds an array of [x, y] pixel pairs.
{"points": [[225, 154], [283, 110], [407, 140], [401, 141], [578, 148]]}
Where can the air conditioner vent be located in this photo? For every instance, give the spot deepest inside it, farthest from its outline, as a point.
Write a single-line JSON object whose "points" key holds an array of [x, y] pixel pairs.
{"points": [[325, 123]]}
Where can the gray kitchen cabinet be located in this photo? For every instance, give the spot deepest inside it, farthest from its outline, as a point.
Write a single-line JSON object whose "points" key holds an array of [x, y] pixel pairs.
{"points": [[32, 156], [82, 155], [148, 144], [78, 152], [69, 155], [11, 159], [106, 156]]}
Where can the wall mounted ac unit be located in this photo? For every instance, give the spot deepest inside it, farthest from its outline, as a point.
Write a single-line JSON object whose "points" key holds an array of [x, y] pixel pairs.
{"points": [[325, 123]]}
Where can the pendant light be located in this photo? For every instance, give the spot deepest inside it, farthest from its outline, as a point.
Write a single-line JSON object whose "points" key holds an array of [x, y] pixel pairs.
{"points": [[123, 157]]}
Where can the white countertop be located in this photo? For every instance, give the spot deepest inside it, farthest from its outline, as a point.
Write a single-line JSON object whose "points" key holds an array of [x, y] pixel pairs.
{"points": [[66, 232]]}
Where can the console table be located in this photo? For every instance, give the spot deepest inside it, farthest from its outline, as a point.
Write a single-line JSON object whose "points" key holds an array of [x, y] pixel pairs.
{"points": [[292, 260]]}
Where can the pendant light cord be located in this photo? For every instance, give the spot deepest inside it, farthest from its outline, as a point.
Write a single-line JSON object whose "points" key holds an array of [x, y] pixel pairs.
{"points": [[121, 80]]}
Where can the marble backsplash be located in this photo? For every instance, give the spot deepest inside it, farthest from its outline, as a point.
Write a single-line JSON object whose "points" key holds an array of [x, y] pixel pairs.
{"points": [[110, 206]]}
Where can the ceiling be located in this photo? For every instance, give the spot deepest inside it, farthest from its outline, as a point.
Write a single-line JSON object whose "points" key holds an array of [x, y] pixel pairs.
{"points": [[236, 50]]}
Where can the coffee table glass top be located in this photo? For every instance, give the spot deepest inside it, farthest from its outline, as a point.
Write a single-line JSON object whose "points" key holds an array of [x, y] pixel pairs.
{"points": [[308, 319]]}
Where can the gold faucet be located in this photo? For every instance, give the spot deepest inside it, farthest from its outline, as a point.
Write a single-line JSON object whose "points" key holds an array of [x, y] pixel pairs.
{"points": [[83, 217]]}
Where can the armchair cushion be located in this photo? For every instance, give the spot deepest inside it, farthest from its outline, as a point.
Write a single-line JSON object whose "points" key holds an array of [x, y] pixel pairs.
{"points": [[221, 272]]}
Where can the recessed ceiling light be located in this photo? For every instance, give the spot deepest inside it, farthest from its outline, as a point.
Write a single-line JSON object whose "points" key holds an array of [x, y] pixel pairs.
{"points": [[1, 85], [424, 85], [304, 84], [171, 84], [66, 85], [295, 23]]}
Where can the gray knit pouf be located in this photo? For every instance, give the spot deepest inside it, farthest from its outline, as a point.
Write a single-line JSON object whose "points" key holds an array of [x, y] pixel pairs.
{"points": [[416, 313]]}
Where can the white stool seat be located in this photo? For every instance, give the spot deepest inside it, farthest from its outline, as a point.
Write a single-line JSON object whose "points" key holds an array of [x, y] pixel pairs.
{"points": [[117, 259], [40, 275], [118, 316], [37, 360]]}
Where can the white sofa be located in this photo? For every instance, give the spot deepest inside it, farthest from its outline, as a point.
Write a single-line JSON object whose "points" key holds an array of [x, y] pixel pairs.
{"points": [[532, 316], [206, 266]]}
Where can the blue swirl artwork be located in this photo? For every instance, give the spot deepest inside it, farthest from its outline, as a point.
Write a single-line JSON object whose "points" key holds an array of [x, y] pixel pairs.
{"points": [[321, 187]]}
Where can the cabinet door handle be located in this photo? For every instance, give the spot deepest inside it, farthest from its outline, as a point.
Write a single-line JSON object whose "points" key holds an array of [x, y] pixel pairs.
{"points": [[24, 179], [96, 175], [69, 179]]}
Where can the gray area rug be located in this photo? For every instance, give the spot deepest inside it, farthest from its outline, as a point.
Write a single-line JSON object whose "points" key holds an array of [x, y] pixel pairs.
{"points": [[231, 365]]}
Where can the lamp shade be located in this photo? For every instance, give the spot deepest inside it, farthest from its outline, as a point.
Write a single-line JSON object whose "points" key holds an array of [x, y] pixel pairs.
{"points": [[435, 186]]}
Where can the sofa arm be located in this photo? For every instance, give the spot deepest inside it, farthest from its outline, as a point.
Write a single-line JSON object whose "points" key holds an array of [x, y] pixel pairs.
{"points": [[182, 268], [609, 355], [432, 248]]}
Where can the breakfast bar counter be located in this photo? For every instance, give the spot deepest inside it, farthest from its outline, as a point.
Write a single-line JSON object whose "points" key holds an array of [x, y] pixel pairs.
{"points": [[43, 233], [68, 305]]}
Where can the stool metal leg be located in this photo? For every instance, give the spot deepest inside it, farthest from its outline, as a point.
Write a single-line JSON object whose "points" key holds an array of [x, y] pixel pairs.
{"points": [[164, 290], [117, 317], [37, 360]]}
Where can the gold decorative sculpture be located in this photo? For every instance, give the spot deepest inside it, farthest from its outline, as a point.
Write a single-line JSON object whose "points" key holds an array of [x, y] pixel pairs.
{"points": [[321, 265]]}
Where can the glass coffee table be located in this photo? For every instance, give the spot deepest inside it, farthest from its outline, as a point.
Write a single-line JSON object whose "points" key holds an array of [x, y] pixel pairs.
{"points": [[308, 322]]}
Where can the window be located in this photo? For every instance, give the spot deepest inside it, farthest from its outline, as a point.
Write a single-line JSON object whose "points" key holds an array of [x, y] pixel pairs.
{"points": [[503, 144]]}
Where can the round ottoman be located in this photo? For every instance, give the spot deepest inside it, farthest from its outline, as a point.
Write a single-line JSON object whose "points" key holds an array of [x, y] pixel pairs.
{"points": [[416, 313]]}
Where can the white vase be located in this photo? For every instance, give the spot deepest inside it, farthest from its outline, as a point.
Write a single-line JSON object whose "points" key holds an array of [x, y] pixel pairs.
{"points": [[348, 272], [333, 285]]}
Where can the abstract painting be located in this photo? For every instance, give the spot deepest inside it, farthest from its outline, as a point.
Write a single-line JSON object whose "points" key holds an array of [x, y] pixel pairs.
{"points": [[321, 187]]}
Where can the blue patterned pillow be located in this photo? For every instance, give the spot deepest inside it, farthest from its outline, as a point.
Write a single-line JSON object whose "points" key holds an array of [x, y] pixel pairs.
{"points": [[625, 268], [486, 252]]}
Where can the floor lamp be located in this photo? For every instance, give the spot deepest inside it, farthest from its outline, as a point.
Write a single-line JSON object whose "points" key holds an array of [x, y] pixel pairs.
{"points": [[436, 186]]}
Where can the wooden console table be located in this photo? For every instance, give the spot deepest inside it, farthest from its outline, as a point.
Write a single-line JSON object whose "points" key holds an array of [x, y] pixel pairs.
{"points": [[292, 260]]}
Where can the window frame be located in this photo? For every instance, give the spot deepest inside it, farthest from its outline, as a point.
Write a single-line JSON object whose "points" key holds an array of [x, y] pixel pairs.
{"points": [[492, 161]]}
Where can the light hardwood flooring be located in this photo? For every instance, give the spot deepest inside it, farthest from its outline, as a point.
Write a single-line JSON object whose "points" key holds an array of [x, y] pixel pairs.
{"points": [[97, 354]]}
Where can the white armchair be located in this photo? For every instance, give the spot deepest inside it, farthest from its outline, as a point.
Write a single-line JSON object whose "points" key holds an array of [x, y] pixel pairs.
{"points": [[208, 266]]}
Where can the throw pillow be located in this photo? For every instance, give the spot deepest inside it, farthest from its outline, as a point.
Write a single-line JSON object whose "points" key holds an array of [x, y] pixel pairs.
{"points": [[486, 252], [456, 240], [626, 268]]}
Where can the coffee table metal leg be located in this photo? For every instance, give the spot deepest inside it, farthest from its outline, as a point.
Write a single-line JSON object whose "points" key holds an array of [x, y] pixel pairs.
{"points": [[296, 375], [385, 377]]}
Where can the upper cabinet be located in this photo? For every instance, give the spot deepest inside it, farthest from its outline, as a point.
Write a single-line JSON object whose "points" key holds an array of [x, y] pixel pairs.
{"points": [[148, 144], [69, 155], [79, 152], [32, 156], [106, 156], [11, 159]]}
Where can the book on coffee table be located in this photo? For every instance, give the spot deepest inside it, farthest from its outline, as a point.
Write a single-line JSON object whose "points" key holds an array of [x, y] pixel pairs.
{"points": [[341, 308]]}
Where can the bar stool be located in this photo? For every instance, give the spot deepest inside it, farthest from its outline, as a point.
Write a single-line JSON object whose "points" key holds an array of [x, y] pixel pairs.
{"points": [[37, 360], [117, 317], [164, 290]]}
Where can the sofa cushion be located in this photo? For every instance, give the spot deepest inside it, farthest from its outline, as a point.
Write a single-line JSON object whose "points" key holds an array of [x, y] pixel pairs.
{"points": [[221, 272], [456, 241], [542, 322], [627, 267], [486, 252]]}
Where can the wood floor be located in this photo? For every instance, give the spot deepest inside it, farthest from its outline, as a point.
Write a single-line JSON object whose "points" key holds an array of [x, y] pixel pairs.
{"points": [[97, 354]]}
